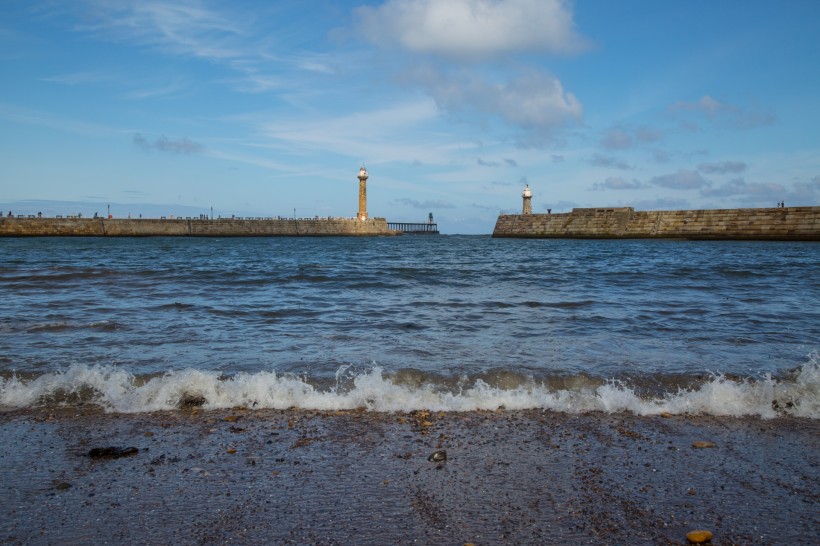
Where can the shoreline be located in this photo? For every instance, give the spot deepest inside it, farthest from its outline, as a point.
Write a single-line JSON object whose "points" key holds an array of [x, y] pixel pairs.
{"points": [[334, 477]]}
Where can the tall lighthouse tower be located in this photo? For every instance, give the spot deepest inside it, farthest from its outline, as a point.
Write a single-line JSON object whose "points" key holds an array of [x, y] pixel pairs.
{"points": [[362, 215], [527, 195]]}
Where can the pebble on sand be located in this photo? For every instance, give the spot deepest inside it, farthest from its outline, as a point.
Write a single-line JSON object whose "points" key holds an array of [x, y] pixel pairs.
{"points": [[438, 456], [703, 444], [112, 452], [699, 536]]}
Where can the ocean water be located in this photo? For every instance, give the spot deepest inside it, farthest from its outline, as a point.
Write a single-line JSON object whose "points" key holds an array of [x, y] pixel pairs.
{"points": [[446, 323]]}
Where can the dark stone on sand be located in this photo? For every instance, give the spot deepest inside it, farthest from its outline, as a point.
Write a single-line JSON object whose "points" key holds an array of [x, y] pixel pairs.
{"points": [[112, 452], [438, 456], [62, 486], [189, 401]]}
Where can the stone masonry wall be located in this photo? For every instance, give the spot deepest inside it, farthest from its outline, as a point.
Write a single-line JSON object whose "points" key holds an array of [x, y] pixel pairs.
{"points": [[99, 227], [787, 224]]}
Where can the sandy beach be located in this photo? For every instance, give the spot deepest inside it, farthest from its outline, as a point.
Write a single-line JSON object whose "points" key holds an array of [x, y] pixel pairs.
{"points": [[305, 477]]}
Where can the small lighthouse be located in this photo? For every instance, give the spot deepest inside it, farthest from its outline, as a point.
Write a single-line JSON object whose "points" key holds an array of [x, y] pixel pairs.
{"points": [[362, 215], [527, 195]]}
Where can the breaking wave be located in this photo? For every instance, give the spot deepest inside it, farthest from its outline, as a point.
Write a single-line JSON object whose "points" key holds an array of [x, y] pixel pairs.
{"points": [[116, 390]]}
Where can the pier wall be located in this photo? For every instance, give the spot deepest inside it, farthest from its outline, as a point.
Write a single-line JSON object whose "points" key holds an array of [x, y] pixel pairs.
{"points": [[120, 227], [780, 224]]}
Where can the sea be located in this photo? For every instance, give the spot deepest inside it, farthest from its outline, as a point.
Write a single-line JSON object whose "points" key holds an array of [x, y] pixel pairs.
{"points": [[444, 323]]}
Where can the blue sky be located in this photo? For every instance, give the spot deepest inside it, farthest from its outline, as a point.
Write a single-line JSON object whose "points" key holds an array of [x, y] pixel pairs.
{"points": [[260, 107]]}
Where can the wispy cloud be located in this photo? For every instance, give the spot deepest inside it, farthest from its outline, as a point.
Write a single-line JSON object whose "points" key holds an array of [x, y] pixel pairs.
{"points": [[172, 88], [806, 192], [616, 139], [614, 183], [182, 145], [28, 116], [661, 156], [386, 136], [77, 78], [681, 180], [507, 161], [599, 160], [229, 36], [622, 138], [722, 168], [661, 203], [723, 113], [186, 28], [739, 186], [429, 204], [648, 134]]}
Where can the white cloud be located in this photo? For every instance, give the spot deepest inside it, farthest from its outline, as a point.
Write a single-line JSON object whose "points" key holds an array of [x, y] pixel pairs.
{"points": [[472, 29], [534, 100]]}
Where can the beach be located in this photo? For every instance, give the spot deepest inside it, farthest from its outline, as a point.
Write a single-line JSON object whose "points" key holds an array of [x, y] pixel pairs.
{"points": [[343, 477]]}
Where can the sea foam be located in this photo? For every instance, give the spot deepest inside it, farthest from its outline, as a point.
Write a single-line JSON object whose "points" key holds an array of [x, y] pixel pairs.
{"points": [[115, 390]]}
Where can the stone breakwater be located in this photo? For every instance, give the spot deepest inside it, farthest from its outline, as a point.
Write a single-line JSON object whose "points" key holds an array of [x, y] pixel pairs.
{"points": [[772, 224], [120, 227]]}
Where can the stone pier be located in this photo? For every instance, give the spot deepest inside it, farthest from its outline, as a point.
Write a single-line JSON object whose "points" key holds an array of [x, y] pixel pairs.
{"points": [[763, 224]]}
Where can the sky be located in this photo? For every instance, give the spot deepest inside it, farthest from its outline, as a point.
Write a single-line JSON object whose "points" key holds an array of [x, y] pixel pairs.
{"points": [[269, 108]]}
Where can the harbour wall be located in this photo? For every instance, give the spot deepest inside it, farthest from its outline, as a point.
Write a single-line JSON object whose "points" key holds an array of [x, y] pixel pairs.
{"points": [[228, 227], [762, 224]]}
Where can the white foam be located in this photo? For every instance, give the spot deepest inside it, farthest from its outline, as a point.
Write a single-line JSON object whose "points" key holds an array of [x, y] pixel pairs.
{"points": [[118, 391]]}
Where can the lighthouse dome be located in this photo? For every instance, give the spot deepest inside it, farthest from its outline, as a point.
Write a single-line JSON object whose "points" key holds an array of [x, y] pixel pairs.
{"points": [[527, 192], [362, 172]]}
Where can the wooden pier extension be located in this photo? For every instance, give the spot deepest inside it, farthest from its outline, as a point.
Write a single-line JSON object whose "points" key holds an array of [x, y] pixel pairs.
{"points": [[413, 228]]}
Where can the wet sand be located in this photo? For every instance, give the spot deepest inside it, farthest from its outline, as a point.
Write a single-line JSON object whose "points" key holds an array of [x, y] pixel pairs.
{"points": [[302, 477]]}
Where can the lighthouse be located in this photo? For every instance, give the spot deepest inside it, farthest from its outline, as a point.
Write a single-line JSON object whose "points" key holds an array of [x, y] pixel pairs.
{"points": [[527, 195], [362, 215]]}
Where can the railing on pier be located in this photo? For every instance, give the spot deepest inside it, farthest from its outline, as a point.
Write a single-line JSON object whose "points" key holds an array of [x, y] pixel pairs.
{"points": [[414, 228]]}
